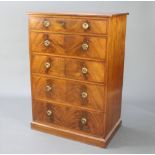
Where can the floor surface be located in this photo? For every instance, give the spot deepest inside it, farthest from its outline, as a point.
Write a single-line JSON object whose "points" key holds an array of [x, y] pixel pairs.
{"points": [[137, 134]]}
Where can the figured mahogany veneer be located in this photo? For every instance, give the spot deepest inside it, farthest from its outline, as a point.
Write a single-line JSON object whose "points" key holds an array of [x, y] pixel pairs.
{"points": [[68, 25], [69, 68], [69, 92], [70, 45], [77, 63], [69, 117]]}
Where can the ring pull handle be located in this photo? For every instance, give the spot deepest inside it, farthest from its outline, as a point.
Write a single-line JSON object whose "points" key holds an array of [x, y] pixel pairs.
{"points": [[48, 88], [47, 65], [84, 70], [49, 113], [84, 95], [85, 25], [85, 46], [46, 23], [47, 43], [83, 121]]}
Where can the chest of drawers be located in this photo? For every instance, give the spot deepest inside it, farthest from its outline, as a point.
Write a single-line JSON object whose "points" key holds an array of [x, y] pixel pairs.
{"points": [[77, 74]]}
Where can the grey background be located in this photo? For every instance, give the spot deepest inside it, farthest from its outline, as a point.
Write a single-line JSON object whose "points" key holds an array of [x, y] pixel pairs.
{"points": [[137, 134]]}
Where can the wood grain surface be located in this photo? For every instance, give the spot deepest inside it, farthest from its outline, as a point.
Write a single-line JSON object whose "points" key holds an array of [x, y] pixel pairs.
{"points": [[70, 45], [69, 25], [115, 58], [69, 117], [68, 68], [70, 92]]}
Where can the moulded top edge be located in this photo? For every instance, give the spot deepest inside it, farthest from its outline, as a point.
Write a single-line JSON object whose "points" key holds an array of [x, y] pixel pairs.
{"points": [[78, 14]]}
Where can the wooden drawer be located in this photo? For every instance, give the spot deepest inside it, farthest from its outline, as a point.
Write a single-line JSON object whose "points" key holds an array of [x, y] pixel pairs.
{"points": [[68, 68], [69, 117], [69, 25], [69, 45], [69, 92]]}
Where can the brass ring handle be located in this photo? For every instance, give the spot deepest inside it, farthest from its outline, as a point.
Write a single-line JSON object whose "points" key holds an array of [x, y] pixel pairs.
{"points": [[84, 70], [47, 43], [48, 88], [46, 23], [49, 113], [47, 65], [83, 121], [85, 46], [84, 94], [85, 26]]}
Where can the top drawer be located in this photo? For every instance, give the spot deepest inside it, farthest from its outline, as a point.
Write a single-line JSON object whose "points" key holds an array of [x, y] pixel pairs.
{"points": [[94, 26]]}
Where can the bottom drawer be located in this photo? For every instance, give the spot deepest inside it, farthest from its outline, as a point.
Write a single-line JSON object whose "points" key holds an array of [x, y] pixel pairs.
{"points": [[69, 117]]}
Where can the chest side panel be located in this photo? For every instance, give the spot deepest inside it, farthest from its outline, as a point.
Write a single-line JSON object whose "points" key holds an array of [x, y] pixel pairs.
{"points": [[115, 58]]}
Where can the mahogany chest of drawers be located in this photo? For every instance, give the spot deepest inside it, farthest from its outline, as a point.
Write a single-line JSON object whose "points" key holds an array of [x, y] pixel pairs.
{"points": [[77, 74]]}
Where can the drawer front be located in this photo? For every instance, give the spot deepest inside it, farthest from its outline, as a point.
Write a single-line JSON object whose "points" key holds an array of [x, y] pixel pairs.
{"points": [[68, 45], [69, 25], [69, 117], [69, 92], [69, 68]]}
